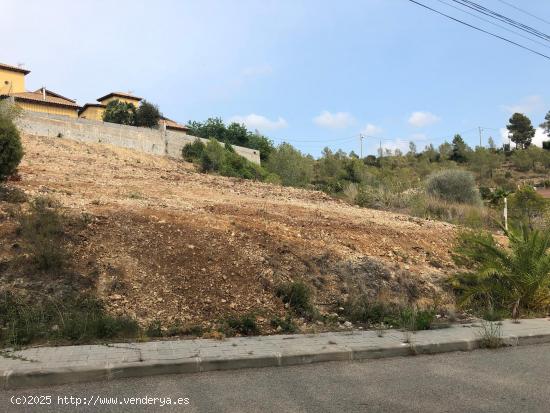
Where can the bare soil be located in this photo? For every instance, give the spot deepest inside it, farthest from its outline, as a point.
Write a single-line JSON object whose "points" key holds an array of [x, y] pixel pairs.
{"points": [[162, 241]]}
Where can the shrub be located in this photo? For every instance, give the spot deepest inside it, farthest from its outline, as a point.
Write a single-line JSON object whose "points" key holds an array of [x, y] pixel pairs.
{"points": [[147, 115], [285, 325], [473, 216], [154, 329], [42, 229], [11, 150], [192, 152], [299, 296], [294, 168], [453, 185], [504, 279], [120, 112], [244, 326], [213, 157], [363, 309], [414, 319]]}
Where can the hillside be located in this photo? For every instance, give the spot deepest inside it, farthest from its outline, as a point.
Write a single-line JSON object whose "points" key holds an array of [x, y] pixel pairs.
{"points": [[164, 242]]}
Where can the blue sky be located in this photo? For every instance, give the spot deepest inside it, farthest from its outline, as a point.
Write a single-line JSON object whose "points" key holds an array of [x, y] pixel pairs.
{"points": [[313, 73]]}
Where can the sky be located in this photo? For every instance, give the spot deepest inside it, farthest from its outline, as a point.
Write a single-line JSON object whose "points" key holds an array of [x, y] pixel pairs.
{"points": [[312, 73]]}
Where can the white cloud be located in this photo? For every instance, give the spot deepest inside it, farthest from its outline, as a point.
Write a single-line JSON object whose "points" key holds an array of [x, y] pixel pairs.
{"points": [[540, 136], [420, 119], [419, 137], [371, 130], [259, 70], [336, 120], [260, 122], [528, 104]]}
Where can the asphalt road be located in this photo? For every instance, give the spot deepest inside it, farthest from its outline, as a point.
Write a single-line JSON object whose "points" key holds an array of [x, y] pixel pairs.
{"points": [[505, 380]]}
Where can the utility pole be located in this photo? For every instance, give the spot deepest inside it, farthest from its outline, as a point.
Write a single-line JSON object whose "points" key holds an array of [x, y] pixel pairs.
{"points": [[361, 137], [480, 130], [381, 154], [505, 213]]}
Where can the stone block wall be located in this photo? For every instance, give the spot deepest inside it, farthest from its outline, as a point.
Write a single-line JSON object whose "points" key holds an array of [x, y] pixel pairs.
{"points": [[151, 141]]}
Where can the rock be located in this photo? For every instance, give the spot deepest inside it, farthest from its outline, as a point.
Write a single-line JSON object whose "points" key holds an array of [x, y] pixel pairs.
{"points": [[348, 324]]}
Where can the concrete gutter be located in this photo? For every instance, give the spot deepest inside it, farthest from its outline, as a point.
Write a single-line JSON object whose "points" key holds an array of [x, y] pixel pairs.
{"points": [[46, 366]]}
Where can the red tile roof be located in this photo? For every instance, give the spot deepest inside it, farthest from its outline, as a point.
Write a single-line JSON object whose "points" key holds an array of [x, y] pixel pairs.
{"points": [[91, 105], [119, 94], [57, 95], [14, 68], [171, 124], [38, 97]]}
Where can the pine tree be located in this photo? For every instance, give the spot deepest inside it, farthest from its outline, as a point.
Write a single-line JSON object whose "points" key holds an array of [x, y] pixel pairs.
{"points": [[521, 130]]}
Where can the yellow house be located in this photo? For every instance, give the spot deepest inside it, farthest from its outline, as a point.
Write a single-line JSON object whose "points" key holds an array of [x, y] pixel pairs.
{"points": [[12, 79], [170, 124], [94, 111], [12, 85]]}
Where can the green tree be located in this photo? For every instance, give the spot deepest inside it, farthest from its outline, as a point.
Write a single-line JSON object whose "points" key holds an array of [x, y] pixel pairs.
{"points": [[11, 149], [147, 115], [120, 112], [460, 150], [431, 154], [291, 165], [445, 150], [235, 134], [412, 148], [521, 130], [483, 162], [261, 143]]}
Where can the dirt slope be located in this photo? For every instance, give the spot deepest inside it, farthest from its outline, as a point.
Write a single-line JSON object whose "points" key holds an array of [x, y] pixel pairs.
{"points": [[164, 242]]}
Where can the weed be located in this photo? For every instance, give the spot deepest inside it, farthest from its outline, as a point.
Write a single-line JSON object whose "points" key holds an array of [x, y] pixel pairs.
{"points": [[42, 229], [154, 329], [179, 329], [12, 195], [299, 296], [285, 325], [76, 319], [244, 325], [490, 335], [135, 195]]}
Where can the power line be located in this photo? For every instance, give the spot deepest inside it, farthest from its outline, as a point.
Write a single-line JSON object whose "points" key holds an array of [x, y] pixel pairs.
{"points": [[497, 16], [525, 12], [479, 29], [494, 24]]}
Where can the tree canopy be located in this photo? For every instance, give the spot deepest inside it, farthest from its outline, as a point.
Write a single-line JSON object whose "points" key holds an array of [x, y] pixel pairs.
{"points": [[234, 134], [120, 112], [147, 115], [521, 130]]}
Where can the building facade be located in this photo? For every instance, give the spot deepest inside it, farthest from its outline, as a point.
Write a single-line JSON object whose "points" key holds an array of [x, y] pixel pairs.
{"points": [[12, 85]]}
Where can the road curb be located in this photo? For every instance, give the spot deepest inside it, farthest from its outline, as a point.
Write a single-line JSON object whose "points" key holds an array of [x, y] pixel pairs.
{"points": [[38, 377]]}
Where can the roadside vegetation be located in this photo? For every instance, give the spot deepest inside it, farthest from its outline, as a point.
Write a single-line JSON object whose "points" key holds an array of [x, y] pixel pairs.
{"points": [[453, 182]]}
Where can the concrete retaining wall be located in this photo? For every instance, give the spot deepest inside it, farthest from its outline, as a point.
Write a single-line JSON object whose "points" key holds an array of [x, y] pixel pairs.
{"points": [[151, 141]]}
